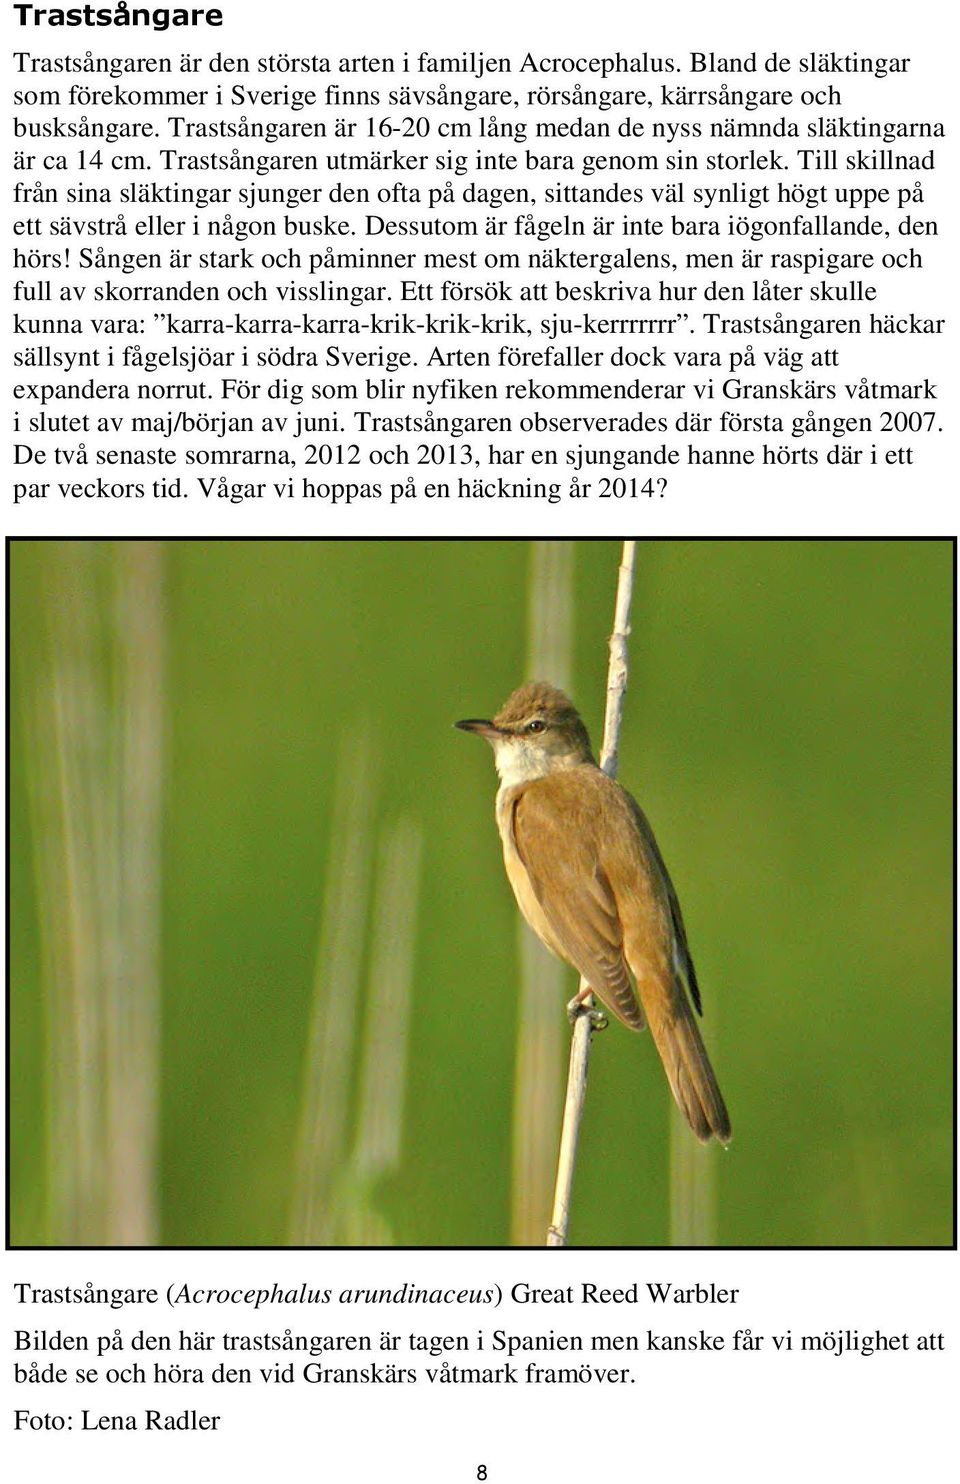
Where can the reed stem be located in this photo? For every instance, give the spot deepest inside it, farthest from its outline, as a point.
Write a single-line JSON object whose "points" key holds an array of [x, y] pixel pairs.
{"points": [[540, 1038], [617, 674]]}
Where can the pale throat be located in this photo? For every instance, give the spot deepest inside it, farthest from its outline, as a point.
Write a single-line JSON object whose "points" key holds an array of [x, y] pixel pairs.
{"points": [[521, 761]]}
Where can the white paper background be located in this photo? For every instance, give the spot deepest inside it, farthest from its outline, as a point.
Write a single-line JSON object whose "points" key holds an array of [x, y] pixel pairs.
{"points": [[743, 1417]]}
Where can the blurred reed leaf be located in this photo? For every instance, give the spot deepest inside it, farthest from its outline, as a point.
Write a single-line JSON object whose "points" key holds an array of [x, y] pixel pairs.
{"points": [[693, 1193], [383, 1063], [326, 1089], [93, 699], [336, 1175]]}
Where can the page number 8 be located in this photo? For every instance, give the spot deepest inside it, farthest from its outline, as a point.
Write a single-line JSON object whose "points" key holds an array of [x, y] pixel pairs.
{"points": [[482, 1471]]}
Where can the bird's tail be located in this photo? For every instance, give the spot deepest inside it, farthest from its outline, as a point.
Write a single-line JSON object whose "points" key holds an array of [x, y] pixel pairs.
{"points": [[687, 1064]]}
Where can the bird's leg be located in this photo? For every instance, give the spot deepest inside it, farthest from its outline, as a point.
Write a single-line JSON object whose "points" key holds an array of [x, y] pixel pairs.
{"points": [[579, 1006]]}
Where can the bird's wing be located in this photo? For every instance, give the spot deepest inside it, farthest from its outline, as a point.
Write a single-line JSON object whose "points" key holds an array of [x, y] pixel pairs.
{"points": [[557, 845], [655, 947], [684, 959]]}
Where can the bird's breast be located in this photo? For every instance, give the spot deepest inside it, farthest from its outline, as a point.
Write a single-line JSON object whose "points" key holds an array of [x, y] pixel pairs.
{"points": [[517, 873]]}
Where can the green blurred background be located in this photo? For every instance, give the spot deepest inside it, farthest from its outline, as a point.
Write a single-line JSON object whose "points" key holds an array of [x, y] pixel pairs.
{"points": [[788, 730]]}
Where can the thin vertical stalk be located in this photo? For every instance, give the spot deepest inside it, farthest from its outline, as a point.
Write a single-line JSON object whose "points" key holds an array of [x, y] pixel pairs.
{"points": [[383, 1067], [617, 674], [133, 1051], [325, 1102], [539, 1052], [692, 1187]]}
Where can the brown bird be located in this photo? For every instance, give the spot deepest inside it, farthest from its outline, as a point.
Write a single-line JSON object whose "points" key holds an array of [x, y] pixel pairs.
{"points": [[589, 878]]}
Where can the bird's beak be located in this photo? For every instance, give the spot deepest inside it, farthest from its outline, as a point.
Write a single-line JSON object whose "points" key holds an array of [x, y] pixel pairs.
{"points": [[481, 728]]}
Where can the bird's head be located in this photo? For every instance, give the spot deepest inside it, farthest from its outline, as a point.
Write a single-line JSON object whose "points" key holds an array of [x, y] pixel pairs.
{"points": [[536, 732]]}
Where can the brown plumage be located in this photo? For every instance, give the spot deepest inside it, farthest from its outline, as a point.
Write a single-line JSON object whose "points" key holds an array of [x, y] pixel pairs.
{"points": [[589, 878]]}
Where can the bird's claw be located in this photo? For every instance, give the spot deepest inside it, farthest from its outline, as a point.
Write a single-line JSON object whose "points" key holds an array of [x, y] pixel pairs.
{"points": [[577, 1007]]}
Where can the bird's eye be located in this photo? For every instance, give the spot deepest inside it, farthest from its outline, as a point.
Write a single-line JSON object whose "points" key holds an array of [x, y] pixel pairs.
{"points": [[536, 726]]}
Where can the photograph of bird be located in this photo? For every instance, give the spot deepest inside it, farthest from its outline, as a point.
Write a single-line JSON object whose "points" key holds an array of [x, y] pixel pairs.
{"points": [[589, 878]]}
